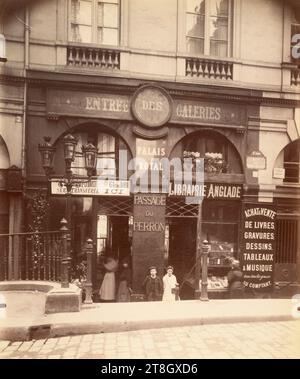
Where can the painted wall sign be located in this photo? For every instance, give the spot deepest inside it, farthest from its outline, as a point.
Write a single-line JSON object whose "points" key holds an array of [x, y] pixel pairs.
{"points": [[256, 161], [148, 219], [148, 235], [208, 191], [93, 188], [195, 112], [150, 151], [258, 246], [151, 106], [88, 104]]}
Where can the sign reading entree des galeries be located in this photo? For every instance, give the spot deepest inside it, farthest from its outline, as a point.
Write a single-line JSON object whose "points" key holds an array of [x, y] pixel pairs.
{"points": [[150, 105]]}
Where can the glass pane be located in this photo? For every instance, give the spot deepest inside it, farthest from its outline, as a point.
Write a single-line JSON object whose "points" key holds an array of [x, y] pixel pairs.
{"points": [[109, 1], [110, 13], [102, 226], [222, 238], [219, 7], [81, 33], [195, 46], [195, 6], [295, 29], [110, 37], [106, 167], [218, 48], [226, 212], [194, 25], [106, 143], [219, 28], [82, 12]]}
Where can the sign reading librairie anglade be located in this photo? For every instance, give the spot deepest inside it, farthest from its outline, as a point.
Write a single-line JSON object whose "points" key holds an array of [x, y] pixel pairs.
{"points": [[93, 188], [258, 246], [207, 191]]}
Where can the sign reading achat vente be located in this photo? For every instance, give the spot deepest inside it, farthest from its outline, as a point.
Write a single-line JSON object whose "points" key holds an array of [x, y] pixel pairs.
{"points": [[150, 105], [258, 246]]}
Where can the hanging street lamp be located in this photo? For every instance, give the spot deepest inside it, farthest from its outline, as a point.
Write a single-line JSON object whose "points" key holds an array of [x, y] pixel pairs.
{"points": [[68, 181]]}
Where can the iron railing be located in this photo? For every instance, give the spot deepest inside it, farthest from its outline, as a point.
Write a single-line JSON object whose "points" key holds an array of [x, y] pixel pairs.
{"points": [[31, 256]]}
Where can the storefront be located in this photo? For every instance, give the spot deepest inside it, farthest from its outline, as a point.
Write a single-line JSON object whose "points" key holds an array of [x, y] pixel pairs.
{"points": [[156, 220]]}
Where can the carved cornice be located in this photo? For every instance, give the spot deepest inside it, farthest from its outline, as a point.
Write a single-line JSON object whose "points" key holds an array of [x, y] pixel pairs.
{"points": [[124, 85]]}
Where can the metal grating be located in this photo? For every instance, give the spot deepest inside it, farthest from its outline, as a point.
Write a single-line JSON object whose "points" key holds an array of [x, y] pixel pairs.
{"points": [[116, 206], [177, 207], [287, 241]]}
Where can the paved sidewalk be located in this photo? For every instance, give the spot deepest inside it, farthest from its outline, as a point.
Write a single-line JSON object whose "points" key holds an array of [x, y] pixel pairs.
{"points": [[116, 317], [279, 339]]}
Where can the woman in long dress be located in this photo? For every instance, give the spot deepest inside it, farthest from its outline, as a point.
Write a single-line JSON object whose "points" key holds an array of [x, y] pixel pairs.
{"points": [[170, 285], [107, 290]]}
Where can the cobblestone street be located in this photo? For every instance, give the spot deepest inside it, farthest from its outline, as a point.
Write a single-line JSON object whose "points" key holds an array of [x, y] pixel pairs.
{"points": [[241, 340]]}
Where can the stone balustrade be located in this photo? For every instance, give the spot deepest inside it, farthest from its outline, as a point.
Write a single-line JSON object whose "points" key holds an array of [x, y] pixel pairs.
{"points": [[209, 69], [87, 57]]}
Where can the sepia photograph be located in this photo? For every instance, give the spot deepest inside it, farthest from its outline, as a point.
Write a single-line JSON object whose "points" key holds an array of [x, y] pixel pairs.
{"points": [[149, 182]]}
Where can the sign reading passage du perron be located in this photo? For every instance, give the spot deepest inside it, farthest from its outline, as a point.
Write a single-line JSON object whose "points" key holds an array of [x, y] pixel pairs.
{"points": [[258, 246]]}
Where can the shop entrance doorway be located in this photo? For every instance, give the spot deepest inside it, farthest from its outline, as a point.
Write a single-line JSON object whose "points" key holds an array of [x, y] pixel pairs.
{"points": [[182, 254]]}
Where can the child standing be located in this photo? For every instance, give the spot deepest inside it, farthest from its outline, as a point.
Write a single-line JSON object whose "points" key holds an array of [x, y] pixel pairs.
{"points": [[153, 286], [170, 285]]}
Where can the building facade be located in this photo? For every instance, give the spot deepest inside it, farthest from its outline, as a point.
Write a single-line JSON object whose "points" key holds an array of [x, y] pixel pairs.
{"points": [[154, 80]]}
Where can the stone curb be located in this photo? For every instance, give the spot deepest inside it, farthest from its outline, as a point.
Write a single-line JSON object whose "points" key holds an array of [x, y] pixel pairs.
{"points": [[46, 330]]}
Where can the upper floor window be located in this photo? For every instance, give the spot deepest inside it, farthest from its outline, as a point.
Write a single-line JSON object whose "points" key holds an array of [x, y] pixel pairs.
{"points": [[95, 21], [209, 27], [295, 29]]}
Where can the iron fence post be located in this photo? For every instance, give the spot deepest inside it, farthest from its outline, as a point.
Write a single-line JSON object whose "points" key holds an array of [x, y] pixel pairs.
{"points": [[65, 257], [88, 285], [205, 251]]}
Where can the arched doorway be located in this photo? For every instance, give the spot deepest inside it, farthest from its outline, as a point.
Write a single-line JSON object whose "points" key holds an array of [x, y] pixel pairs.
{"points": [[219, 218], [105, 219]]}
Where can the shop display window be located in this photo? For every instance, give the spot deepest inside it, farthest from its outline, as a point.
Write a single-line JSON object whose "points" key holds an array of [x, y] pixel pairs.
{"points": [[220, 229]]}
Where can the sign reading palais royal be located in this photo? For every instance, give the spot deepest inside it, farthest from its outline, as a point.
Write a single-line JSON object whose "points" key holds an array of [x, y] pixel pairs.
{"points": [[151, 106]]}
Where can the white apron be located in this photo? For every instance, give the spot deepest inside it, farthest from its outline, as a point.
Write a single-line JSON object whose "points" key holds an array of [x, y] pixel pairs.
{"points": [[169, 283]]}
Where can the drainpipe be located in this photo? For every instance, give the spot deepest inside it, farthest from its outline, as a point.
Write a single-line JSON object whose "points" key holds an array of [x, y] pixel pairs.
{"points": [[282, 48], [26, 66]]}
